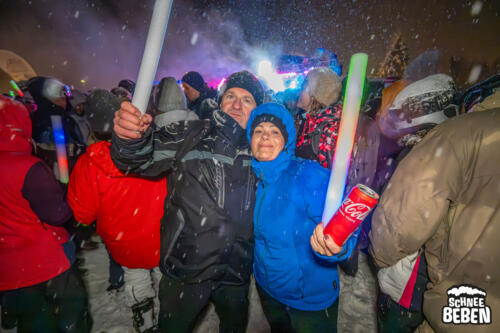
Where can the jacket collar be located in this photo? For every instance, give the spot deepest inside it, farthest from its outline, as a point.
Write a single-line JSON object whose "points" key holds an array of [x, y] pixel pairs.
{"points": [[229, 130], [269, 172]]}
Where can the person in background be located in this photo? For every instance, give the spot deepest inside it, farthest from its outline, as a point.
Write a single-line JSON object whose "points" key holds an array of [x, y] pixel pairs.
{"points": [[38, 287], [78, 100], [122, 94], [318, 128], [197, 91], [99, 106], [52, 99], [170, 103], [380, 143], [446, 181], [298, 287], [207, 229], [408, 121], [81, 234], [127, 210], [128, 85]]}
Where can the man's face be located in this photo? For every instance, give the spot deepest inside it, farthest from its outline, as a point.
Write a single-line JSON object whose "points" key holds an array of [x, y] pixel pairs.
{"points": [[80, 109], [191, 93], [238, 103]]}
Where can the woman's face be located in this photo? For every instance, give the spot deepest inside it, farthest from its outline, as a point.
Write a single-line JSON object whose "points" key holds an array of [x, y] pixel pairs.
{"points": [[267, 142]]}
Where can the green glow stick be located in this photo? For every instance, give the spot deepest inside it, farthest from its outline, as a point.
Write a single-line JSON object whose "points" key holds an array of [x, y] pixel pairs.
{"points": [[347, 130], [16, 88]]}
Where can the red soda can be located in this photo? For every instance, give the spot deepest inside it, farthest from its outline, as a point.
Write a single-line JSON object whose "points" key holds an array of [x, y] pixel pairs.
{"points": [[355, 208]]}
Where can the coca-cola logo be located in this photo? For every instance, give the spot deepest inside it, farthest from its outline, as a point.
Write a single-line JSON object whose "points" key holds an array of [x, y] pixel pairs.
{"points": [[354, 210]]}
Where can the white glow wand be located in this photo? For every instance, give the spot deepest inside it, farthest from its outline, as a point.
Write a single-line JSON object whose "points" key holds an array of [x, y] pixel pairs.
{"points": [[151, 56], [345, 141]]}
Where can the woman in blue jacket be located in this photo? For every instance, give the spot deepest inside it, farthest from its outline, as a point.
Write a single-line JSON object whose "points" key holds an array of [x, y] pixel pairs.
{"points": [[298, 286]]}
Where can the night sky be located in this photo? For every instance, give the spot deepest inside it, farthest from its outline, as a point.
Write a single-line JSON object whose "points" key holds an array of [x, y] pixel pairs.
{"points": [[102, 41]]}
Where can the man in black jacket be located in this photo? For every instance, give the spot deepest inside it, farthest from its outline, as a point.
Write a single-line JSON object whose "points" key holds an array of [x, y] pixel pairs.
{"points": [[197, 91], [207, 228]]}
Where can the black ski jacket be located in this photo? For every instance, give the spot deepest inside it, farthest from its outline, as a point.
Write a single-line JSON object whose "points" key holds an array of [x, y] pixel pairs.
{"points": [[207, 227]]}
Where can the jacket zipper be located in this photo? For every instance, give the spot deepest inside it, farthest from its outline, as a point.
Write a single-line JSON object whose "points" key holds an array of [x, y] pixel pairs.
{"points": [[261, 255]]}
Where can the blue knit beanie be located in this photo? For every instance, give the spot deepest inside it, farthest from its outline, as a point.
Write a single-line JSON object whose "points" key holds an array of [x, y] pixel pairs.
{"points": [[195, 80]]}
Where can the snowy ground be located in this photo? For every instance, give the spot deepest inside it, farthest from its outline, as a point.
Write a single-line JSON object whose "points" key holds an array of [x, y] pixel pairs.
{"points": [[110, 314]]}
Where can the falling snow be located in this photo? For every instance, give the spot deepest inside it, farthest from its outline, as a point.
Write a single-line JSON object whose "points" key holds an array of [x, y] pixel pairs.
{"points": [[194, 38], [476, 8], [474, 74]]}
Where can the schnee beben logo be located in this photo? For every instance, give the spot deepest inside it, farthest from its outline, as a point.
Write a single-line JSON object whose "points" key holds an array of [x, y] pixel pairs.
{"points": [[466, 305]]}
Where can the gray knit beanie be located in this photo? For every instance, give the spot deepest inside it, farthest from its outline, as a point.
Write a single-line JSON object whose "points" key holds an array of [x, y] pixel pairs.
{"points": [[170, 96], [324, 85]]}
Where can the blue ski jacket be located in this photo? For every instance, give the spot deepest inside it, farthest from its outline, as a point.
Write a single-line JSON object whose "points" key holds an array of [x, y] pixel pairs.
{"points": [[289, 204]]}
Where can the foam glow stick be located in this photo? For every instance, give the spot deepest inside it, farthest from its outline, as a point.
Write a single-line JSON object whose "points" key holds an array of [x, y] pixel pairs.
{"points": [[152, 51], [16, 88], [345, 141], [62, 159]]}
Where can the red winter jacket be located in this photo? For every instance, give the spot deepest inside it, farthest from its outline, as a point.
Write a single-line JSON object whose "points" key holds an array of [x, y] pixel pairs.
{"points": [[32, 250], [319, 136], [128, 209]]}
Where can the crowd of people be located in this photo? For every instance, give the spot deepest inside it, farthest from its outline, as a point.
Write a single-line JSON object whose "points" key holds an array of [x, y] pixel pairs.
{"points": [[208, 188]]}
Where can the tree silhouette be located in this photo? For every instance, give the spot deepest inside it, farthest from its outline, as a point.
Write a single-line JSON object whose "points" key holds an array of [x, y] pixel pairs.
{"points": [[395, 60]]}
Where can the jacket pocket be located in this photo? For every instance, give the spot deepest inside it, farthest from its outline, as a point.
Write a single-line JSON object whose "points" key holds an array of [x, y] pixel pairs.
{"points": [[219, 183], [284, 277]]}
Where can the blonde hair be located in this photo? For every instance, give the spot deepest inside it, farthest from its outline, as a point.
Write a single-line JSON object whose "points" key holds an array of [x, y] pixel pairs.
{"points": [[315, 107]]}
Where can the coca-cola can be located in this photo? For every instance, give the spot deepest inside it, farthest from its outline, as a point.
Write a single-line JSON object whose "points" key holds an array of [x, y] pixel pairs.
{"points": [[355, 208]]}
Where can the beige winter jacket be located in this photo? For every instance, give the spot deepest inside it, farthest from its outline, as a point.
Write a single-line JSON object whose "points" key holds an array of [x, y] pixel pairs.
{"points": [[490, 102], [445, 195]]}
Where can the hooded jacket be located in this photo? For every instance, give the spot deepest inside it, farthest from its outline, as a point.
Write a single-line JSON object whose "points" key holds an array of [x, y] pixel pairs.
{"points": [[289, 203], [200, 106], [490, 102], [444, 195], [128, 209], [42, 125], [207, 228], [34, 247], [171, 104]]}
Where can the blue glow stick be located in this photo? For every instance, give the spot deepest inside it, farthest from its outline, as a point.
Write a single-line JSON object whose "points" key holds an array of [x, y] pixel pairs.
{"points": [[62, 158]]}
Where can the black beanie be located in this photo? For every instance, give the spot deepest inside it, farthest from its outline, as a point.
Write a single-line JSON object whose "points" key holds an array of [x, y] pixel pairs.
{"points": [[244, 80], [195, 80], [128, 85], [100, 109], [266, 117]]}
